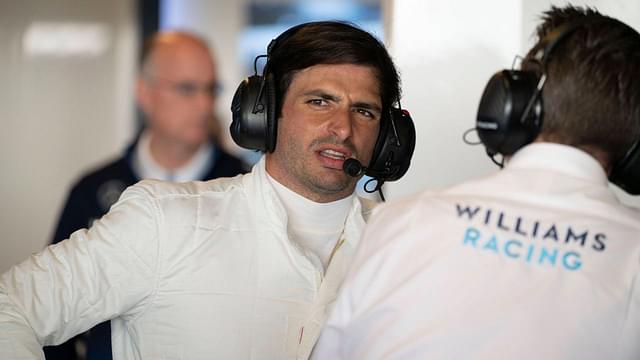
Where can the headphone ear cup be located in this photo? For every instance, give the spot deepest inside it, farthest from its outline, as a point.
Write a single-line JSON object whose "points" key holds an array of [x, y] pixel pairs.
{"points": [[272, 116], [249, 125], [626, 172], [394, 147], [500, 123], [380, 141]]}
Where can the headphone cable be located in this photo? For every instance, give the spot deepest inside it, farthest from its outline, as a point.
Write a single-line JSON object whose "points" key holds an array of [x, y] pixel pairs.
{"points": [[381, 194], [377, 188]]}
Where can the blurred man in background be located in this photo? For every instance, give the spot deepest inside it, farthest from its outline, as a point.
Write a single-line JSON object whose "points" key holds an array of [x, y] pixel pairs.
{"points": [[176, 90]]}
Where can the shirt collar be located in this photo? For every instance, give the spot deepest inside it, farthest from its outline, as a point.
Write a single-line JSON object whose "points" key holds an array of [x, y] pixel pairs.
{"points": [[275, 213], [306, 213], [561, 159], [148, 168]]}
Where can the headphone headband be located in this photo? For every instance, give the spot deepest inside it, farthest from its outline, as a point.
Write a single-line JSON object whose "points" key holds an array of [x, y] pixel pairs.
{"points": [[555, 37]]}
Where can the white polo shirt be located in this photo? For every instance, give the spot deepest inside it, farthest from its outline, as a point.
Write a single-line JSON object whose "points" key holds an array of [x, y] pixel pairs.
{"points": [[538, 261]]}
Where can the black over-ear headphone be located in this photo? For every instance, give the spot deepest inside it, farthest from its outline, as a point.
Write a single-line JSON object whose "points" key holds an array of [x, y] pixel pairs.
{"points": [[510, 114], [255, 123]]}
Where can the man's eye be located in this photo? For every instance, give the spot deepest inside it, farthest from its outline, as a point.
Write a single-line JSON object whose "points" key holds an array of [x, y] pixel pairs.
{"points": [[366, 113], [186, 89], [214, 89], [317, 102]]}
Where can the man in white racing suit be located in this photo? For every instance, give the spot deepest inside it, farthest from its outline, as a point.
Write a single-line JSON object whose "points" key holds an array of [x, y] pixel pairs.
{"points": [[234, 268]]}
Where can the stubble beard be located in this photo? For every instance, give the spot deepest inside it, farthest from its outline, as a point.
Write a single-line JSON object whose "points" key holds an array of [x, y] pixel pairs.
{"points": [[301, 169]]}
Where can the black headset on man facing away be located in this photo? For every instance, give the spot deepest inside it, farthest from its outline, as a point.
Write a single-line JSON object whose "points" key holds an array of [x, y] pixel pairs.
{"points": [[255, 121], [510, 114]]}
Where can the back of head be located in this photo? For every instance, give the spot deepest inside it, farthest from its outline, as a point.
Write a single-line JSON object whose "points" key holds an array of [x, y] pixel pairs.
{"points": [[591, 98], [331, 42]]}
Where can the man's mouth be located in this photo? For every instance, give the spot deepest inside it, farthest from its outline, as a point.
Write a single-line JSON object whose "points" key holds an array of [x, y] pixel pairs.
{"points": [[333, 158], [333, 154]]}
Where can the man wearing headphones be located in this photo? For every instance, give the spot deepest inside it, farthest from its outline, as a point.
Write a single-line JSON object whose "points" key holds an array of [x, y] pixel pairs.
{"points": [[538, 261], [234, 268]]}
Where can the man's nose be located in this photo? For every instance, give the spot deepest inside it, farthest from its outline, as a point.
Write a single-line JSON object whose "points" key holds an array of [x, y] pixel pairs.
{"points": [[341, 123]]}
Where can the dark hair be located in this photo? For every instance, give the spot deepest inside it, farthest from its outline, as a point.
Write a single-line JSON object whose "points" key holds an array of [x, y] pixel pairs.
{"points": [[331, 42], [591, 98]]}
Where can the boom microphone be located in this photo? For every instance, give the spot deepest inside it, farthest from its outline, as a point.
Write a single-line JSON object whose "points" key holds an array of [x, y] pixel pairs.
{"points": [[353, 167]]}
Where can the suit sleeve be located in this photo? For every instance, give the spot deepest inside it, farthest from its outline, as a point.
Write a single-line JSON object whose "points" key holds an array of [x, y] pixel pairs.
{"points": [[98, 274]]}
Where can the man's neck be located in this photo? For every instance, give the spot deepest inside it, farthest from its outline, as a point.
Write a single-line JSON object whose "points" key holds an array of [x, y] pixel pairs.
{"points": [[170, 154], [315, 227]]}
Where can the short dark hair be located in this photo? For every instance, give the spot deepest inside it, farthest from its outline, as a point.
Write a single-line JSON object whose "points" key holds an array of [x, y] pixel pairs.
{"points": [[591, 98], [331, 42]]}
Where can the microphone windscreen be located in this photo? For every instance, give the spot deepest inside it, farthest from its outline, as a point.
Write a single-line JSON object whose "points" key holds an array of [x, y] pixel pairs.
{"points": [[352, 167]]}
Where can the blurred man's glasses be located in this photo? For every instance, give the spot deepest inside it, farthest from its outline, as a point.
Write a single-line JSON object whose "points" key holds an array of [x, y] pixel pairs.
{"points": [[189, 89]]}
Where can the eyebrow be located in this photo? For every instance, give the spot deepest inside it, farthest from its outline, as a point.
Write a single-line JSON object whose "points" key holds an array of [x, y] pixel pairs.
{"points": [[323, 94], [327, 96]]}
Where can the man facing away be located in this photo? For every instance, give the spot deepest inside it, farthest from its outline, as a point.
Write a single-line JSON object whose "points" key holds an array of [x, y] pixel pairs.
{"points": [[233, 268], [538, 261], [176, 90]]}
